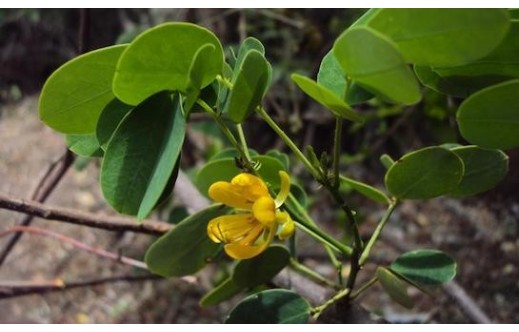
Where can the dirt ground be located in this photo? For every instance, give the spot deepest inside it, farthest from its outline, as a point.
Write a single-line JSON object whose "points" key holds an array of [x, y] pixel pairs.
{"points": [[481, 234]]}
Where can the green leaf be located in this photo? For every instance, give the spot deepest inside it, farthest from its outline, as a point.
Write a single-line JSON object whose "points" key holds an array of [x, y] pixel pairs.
{"points": [[161, 59], [425, 267], [186, 248], [84, 145], [110, 117], [248, 44], [76, 93], [225, 169], [394, 286], [364, 19], [282, 157], [499, 65], [141, 155], [200, 65], [431, 79], [374, 61], [514, 13], [222, 292], [484, 169], [366, 190], [326, 97], [425, 173], [250, 86], [357, 94], [275, 306], [330, 75], [490, 117], [440, 36], [231, 153], [262, 268]]}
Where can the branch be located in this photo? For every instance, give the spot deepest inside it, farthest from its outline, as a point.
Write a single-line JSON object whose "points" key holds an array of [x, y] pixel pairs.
{"points": [[44, 188], [33, 208], [17, 288]]}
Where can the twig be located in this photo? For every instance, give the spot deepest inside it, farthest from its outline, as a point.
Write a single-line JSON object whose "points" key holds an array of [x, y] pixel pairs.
{"points": [[84, 219], [45, 186], [17, 288], [77, 244]]}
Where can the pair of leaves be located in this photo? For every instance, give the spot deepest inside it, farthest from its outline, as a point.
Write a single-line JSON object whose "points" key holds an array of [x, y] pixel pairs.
{"points": [[423, 267], [249, 273], [251, 78], [436, 171]]}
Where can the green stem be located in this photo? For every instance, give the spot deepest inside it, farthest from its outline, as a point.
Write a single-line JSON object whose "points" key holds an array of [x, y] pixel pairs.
{"points": [[336, 263], [312, 274], [377, 231], [317, 311], [337, 150], [363, 288], [224, 81], [243, 142], [315, 173]]}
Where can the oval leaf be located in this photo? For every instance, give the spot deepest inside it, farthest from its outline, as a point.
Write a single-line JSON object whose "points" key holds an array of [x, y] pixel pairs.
{"points": [[394, 286], [425, 173], [222, 292], [276, 306], [484, 169], [374, 61], [75, 94], [326, 98], [160, 59], [250, 86], [225, 169], [84, 145], [490, 117], [110, 117], [142, 154], [330, 75], [186, 248], [366, 190], [262, 268], [425, 267], [441, 36]]}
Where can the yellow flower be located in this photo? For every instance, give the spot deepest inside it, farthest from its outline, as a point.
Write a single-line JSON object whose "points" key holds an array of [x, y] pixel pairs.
{"points": [[249, 233]]}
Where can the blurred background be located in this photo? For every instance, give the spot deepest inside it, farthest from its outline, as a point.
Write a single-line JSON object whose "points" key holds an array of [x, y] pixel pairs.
{"points": [[481, 232]]}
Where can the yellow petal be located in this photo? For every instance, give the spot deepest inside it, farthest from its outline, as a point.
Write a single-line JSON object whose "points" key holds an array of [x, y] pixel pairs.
{"points": [[226, 193], [231, 228], [264, 210], [239, 251], [249, 186], [285, 188], [288, 227]]}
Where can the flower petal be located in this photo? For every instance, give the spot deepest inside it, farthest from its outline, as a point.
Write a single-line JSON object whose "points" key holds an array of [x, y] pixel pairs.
{"points": [[249, 186], [287, 225], [264, 210], [226, 193], [231, 228], [285, 188], [238, 250]]}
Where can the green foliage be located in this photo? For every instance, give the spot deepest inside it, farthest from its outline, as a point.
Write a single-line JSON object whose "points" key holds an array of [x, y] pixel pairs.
{"points": [[394, 286], [489, 118], [484, 169], [442, 37], [428, 267], [164, 58], [185, 249], [75, 94], [276, 306], [326, 98], [374, 61], [249, 273], [141, 155], [250, 86], [366, 190], [426, 173], [84, 145], [110, 117]]}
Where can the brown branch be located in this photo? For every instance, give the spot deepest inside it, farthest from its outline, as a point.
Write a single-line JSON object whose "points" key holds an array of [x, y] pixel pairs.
{"points": [[36, 209], [17, 288], [77, 244]]}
